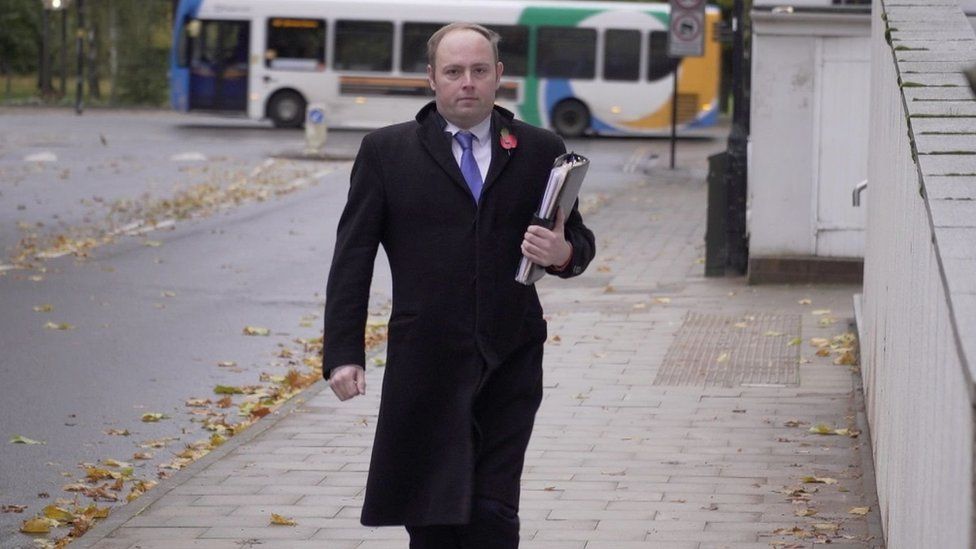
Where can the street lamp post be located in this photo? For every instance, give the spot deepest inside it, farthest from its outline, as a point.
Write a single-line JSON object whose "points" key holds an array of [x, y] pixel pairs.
{"points": [[737, 244]]}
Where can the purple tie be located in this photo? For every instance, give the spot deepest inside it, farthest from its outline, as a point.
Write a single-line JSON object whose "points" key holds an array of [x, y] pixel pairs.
{"points": [[469, 166]]}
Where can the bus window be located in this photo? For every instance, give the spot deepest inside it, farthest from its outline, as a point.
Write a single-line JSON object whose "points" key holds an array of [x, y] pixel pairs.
{"points": [[566, 52], [513, 48], [295, 44], [659, 64], [621, 54], [413, 50], [364, 46]]}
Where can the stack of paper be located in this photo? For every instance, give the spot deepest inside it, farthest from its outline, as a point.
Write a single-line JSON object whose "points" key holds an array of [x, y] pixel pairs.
{"points": [[561, 193]]}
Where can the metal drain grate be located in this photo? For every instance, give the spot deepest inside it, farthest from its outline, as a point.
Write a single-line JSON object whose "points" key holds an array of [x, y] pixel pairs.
{"points": [[731, 351]]}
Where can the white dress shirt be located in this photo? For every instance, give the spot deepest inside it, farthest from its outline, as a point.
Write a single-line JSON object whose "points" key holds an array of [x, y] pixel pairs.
{"points": [[480, 145]]}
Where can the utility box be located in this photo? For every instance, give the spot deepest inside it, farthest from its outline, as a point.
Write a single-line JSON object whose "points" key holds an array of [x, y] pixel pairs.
{"points": [[315, 129], [811, 68]]}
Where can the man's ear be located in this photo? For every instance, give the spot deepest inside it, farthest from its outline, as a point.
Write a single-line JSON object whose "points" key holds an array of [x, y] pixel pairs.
{"points": [[430, 78], [499, 69]]}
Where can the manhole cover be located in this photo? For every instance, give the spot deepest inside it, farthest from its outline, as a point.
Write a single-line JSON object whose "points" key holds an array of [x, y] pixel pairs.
{"points": [[731, 351]]}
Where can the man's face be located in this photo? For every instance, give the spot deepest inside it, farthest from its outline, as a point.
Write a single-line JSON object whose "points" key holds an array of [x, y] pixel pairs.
{"points": [[465, 78]]}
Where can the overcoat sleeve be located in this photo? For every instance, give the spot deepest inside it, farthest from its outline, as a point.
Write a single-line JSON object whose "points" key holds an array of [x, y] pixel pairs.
{"points": [[357, 238]]}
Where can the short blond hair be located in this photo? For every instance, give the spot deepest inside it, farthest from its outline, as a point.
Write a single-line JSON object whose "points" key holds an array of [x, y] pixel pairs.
{"points": [[435, 39]]}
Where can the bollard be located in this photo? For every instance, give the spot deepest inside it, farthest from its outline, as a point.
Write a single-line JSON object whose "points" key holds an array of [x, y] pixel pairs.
{"points": [[315, 129]]}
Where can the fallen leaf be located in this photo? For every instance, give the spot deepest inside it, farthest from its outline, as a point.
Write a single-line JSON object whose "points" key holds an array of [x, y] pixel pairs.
{"points": [[795, 341], [117, 432], [58, 513], [17, 439], [818, 480], [168, 294], [822, 429], [152, 243], [806, 512], [12, 508], [823, 351], [38, 525], [859, 510], [45, 308], [805, 301], [827, 321], [226, 364], [826, 526], [819, 342], [75, 487], [198, 402], [228, 390], [282, 521], [662, 300], [793, 423], [256, 331], [63, 326], [153, 417], [741, 324], [772, 333], [723, 358], [846, 358], [142, 455], [225, 402], [820, 312]]}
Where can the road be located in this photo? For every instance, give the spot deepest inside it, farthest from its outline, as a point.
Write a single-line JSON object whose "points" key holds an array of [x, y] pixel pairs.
{"points": [[163, 237]]}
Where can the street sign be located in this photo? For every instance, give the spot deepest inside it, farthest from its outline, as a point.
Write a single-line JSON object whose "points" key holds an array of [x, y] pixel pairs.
{"points": [[686, 36]]}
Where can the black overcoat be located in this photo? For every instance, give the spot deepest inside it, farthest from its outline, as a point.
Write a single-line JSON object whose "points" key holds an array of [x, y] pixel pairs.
{"points": [[457, 311]]}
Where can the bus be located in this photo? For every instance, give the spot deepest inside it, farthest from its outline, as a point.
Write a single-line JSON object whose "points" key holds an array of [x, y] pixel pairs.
{"points": [[576, 67]]}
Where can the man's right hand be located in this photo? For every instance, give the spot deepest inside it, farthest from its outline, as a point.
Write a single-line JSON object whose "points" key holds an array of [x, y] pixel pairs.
{"points": [[348, 380]]}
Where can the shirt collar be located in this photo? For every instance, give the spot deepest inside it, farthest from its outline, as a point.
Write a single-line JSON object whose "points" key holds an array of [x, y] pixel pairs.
{"points": [[479, 130]]}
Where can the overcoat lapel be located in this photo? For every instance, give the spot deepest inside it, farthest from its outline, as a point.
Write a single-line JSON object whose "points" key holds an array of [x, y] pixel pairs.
{"points": [[499, 155], [434, 139]]}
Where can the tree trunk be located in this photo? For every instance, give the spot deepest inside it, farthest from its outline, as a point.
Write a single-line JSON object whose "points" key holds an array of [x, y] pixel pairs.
{"points": [[113, 52], [93, 87]]}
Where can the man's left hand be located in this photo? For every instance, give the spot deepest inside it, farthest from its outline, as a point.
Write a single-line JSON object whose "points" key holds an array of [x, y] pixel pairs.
{"points": [[547, 248]]}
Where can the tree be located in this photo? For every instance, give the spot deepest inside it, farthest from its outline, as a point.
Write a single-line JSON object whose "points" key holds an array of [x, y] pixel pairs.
{"points": [[20, 39]]}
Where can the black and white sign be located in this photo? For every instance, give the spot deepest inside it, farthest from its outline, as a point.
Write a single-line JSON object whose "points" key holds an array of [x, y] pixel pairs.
{"points": [[686, 37]]}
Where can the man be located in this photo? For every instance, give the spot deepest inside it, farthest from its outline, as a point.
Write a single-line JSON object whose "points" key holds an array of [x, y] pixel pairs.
{"points": [[463, 377]]}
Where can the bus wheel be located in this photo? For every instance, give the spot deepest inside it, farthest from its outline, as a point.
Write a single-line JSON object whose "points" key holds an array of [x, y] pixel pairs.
{"points": [[287, 109], [570, 118]]}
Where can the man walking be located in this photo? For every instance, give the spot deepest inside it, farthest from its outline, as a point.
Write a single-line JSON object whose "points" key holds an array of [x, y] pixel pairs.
{"points": [[450, 196]]}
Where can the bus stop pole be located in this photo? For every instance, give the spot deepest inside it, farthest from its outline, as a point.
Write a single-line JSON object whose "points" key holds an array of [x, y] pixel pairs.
{"points": [[674, 115]]}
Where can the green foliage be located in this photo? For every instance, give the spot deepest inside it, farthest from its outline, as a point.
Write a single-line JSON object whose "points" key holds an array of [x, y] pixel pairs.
{"points": [[21, 35]]}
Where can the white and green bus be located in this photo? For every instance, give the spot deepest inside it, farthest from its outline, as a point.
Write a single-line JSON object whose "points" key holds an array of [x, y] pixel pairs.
{"points": [[575, 67]]}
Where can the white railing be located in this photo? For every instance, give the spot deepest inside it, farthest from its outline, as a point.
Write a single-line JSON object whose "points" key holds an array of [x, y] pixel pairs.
{"points": [[918, 325]]}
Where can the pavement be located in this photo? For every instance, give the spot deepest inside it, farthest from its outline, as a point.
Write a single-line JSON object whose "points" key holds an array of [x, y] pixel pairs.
{"points": [[677, 415]]}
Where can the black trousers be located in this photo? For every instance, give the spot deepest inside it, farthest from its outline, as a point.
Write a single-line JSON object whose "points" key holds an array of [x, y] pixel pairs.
{"points": [[494, 525], [503, 423]]}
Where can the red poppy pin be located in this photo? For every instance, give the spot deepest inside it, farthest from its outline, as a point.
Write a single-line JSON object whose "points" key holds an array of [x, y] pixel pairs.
{"points": [[508, 140]]}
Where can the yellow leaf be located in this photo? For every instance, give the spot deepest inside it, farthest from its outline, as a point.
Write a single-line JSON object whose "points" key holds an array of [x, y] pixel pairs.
{"points": [[17, 439], [820, 312], [256, 331], [38, 525], [772, 333], [45, 308], [819, 342], [59, 326], [823, 351], [818, 480], [197, 402], [142, 455], [794, 342], [826, 526], [116, 463], [805, 301], [827, 321], [153, 417], [75, 487], [226, 364], [846, 358], [59, 514], [228, 390], [807, 512], [153, 243], [662, 300], [281, 521], [741, 324], [822, 429], [859, 510], [118, 432], [723, 358]]}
